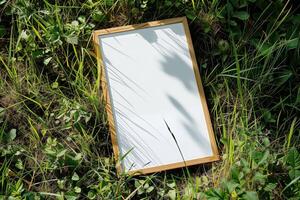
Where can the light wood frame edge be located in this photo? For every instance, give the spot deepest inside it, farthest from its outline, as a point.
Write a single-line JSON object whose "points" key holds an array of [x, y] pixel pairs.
{"points": [[110, 117], [183, 20]]}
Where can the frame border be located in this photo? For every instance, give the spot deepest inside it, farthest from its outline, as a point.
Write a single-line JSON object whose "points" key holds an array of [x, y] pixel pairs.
{"points": [[108, 107]]}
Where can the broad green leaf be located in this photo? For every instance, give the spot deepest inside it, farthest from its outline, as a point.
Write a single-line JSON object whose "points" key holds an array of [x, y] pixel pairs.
{"points": [[146, 185], [293, 158], [19, 164], [260, 178], [98, 16], [230, 185], [168, 3], [24, 35], [171, 185], [242, 15], [78, 156], [172, 194], [190, 14], [47, 61], [61, 184], [87, 117], [49, 151], [235, 3], [91, 194], [150, 189], [11, 135], [75, 23], [234, 172], [72, 39], [109, 3], [75, 177], [294, 173], [37, 53], [3, 2], [264, 157], [61, 153], [243, 3], [268, 117], [266, 141], [270, 187], [250, 195], [293, 43], [77, 189], [82, 19], [215, 194], [70, 197], [265, 48]]}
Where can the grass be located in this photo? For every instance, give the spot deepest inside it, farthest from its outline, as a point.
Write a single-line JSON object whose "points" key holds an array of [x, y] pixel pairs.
{"points": [[54, 141]]}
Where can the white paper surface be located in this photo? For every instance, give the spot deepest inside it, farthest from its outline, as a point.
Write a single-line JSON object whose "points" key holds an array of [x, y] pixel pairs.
{"points": [[151, 80]]}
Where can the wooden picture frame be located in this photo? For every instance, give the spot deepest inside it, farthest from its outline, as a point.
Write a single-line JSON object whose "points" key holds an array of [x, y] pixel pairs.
{"points": [[111, 122]]}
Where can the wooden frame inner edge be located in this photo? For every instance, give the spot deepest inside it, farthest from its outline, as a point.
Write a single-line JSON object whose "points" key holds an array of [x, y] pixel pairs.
{"points": [[108, 108]]}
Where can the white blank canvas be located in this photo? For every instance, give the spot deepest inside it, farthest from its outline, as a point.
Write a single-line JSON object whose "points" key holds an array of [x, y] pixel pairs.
{"points": [[152, 83]]}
